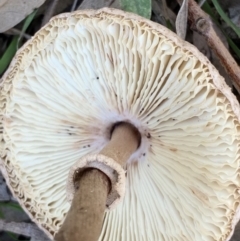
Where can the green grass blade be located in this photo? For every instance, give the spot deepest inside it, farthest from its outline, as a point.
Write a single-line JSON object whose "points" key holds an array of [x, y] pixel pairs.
{"points": [[13, 236], [28, 20], [233, 46], [26, 24], [8, 54], [225, 17], [140, 7], [1, 214], [11, 205], [206, 7], [169, 25], [15, 43]]}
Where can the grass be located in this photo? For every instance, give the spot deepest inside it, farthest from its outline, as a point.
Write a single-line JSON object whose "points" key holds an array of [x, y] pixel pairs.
{"points": [[215, 17], [15, 44], [225, 17], [16, 207], [8, 54]]}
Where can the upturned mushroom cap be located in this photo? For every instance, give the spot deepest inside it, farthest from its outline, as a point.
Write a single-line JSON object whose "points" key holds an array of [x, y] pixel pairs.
{"points": [[85, 71]]}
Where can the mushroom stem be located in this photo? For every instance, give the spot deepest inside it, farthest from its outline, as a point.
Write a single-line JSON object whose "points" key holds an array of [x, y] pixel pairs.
{"points": [[84, 219], [124, 141]]}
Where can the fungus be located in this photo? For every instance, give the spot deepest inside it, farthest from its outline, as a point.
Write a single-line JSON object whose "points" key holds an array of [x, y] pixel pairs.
{"points": [[78, 77]]}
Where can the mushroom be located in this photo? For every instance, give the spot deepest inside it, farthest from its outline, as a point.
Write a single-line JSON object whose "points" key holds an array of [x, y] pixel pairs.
{"points": [[85, 80]]}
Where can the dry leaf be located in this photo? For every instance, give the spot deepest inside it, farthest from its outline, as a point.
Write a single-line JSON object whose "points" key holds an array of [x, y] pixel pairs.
{"points": [[181, 21], [2, 2], [14, 11]]}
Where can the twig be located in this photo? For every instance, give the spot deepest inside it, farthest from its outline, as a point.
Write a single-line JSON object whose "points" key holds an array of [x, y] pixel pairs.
{"points": [[14, 31], [50, 12], [26, 229], [201, 22]]}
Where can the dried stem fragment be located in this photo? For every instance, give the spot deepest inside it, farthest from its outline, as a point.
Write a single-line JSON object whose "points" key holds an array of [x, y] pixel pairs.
{"points": [[202, 23]]}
